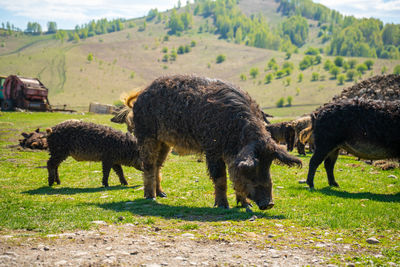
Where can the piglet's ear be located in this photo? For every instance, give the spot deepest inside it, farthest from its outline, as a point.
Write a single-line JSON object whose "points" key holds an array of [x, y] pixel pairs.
{"points": [[246, 158]]}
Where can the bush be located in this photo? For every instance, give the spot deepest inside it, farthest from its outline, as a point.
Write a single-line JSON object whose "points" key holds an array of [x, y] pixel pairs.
{"points": [[396, 69], [289, 100], [280, 102], [312, 51], [220, 58], [334, 71], [339, 61], [327, 65], [341, 79], [352, 63], [306, 62], [165, 50], [300, 77], [268, 78], [254, 72], [369, 63], [193, 43], [187, 49], [165, 58], [181, 50], [279, 74], [173, 55], [350, 74], [243, 77], [361, 68], [90, 57], [132, 75], [314, 76]]}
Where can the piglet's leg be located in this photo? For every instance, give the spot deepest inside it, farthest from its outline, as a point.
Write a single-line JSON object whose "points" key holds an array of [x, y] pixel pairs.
{"points": [[118, 170], [217, 172]]}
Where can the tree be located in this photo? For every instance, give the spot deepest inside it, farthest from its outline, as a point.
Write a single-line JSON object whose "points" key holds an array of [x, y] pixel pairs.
{"points": [[361, 68], [51, 27], [334, 71], [369, 63], [289, 100], [175, 23], [220, 58], [306, 62], [352, 63], [181, 49], [268, 78], [280, 102], [383, 70], [350, 75], [300, 77], [254, 72], [296, 28], [339, 61], [341, 79], [243, 77], [314, 76], [327, 65]]}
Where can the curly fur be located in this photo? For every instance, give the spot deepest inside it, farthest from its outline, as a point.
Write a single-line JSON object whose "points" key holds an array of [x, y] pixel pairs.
{"points": [[282, 132], [210, 116], [299, 125], [368, 129], [85, 141]]}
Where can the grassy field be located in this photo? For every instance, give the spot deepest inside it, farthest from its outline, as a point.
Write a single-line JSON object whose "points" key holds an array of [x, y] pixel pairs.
{"points": [[366, 205]]}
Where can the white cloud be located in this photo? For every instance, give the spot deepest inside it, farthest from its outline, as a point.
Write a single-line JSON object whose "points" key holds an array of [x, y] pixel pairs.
{"points": [[79, 12], [387, 11]]}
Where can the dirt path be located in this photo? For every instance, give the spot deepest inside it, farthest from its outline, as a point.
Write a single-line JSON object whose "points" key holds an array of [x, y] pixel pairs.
{"points": [[120, 246]]}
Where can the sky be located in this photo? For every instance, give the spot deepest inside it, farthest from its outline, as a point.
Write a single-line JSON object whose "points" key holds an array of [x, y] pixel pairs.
{"points": [[69, 13]]}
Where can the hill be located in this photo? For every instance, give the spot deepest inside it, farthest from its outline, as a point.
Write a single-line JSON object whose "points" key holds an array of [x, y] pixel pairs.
{"points": [[144, 49]]}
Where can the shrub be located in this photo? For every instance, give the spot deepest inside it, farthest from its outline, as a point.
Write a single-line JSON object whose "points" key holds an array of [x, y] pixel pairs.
{"points": [[243, 77], [268, 78], [173, 55], [90, 57], [369, 63], [165, 58], [300, 77], [220, 58], [254, 72], [341, 79], [350, 74], [280, 102], [327, 65], [306, 62], [289, 100], [165, 50], [352, 63], [361, 68], [312, 51], [314, 76], [132, 75], [383, 70], [396, 69], [334, 71], [279, 74], [288, 81], [339, 61], [187, 49], [193, 43], [181, 49]]}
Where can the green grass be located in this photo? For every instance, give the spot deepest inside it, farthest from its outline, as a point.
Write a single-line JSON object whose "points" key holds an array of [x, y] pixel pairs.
{"points": [[366, 204]]}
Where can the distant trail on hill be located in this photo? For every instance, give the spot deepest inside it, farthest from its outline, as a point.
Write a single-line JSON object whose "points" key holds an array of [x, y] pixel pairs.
{"points": [[24, 47]]}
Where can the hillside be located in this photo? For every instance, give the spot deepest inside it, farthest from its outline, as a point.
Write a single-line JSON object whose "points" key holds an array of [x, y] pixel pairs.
{"points": [[131, 58]]}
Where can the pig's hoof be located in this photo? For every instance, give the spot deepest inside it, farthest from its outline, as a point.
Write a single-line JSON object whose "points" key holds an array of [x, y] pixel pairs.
{"points": [[334, 184], [161, 194], [222, 205]]}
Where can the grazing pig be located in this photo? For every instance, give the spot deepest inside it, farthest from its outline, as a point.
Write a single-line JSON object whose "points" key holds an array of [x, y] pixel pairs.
{"points": [[282, 132], [368, 129], [211, 117], [85, 141], [34, 140]]}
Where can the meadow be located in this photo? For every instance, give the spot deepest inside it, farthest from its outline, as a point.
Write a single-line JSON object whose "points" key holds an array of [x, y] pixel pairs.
{"points": [[366, 204]]}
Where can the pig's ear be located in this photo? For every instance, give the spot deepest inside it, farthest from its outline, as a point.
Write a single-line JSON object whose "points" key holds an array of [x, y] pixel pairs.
{"points": [[246, 159], [25, 135], [37, 130], [283, 157]]}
